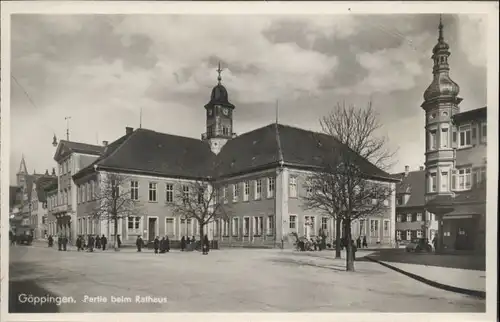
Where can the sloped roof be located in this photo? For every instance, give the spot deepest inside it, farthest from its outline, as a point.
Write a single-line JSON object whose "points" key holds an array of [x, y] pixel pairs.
{"points": [[146, 151], [41, 185], [83, 147], [413, 184], [476, 114]]}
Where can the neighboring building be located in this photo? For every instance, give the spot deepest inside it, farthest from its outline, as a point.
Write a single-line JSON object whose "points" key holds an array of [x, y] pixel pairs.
{"points": [[70, 158], [412, 219], [263, 174], [39, 204], [455, 160]]}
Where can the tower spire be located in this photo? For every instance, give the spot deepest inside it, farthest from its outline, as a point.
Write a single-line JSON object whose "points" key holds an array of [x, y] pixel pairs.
{"points": [[219, 77], [440, 28]]}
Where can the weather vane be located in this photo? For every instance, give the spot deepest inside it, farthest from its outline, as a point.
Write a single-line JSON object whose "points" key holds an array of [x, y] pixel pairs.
{"points": [[219, 70]]}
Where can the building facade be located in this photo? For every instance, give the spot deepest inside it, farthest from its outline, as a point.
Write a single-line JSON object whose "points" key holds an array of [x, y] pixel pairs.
{"points": [[262, 175], [455, 160]]}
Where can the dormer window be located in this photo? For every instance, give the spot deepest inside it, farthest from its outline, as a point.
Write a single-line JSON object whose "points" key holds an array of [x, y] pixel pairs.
{"points": [[400, 200]]}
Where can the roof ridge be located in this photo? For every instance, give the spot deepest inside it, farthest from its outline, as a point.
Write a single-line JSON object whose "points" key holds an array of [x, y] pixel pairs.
{"points": [[117, 148], [162, 133]]}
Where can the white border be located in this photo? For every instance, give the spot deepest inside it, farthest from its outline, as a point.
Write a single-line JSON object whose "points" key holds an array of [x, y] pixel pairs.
{"points": [[60, 7]]}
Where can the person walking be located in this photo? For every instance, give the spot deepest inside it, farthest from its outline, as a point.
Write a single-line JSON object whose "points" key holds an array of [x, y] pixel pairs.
{"points": [[78, 243], [434, 243], [365, 244], [104, 242], [183, 243], [358, 242], [118, 241], [91, 243], [138, 243], [354, 250], [98, 242], [167, 244], [59, 243], [205, 245], [51, 241], [156, 244], [162, 245], [65, 242]]}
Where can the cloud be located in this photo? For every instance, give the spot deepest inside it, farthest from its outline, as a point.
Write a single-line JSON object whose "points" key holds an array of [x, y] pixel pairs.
{"points": [[472, 34]]}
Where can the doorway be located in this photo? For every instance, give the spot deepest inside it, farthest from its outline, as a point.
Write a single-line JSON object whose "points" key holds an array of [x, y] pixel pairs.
{"points": [[151, 228]]}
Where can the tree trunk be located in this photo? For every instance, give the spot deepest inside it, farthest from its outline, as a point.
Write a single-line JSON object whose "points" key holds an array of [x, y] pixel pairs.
{"points": [[350, 253], [337, 238], [115, 223], [201, 225]]}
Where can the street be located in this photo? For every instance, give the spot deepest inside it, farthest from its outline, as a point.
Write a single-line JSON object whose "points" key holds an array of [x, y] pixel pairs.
{"points": [[228, 280]]}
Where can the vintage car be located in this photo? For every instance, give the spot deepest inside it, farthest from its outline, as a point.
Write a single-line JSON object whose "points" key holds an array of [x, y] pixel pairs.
{"points": [[24, 235], [418, 245]]}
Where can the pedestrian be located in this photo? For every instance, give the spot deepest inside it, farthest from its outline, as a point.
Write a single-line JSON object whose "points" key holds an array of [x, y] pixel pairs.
{"points": [[434, 243], [78, 243], [162, 245], [98, 242], [138, 243], [104, 242], [167, 244], [193, 241], [51, 241], [91, 243], [183, 243], [365, 244], [206, 245], [65, 242], [118, 241], [358, 242], [354, 250], [156, 244]]}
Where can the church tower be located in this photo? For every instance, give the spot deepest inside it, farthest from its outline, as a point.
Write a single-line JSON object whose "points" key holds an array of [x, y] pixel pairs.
{"points": [[219, 113], [440, 104], [22, 173]]}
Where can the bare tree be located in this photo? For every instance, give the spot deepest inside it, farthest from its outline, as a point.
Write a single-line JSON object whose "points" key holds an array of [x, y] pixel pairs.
{"points": [[199, 200], [343, 187], [114, 202]]}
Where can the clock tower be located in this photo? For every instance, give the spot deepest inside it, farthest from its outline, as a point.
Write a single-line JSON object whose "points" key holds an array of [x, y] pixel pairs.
{"points": [[219, 113]]}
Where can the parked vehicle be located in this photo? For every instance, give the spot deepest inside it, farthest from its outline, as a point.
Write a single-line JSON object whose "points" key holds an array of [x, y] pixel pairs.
{"points": [[24, 235], [417, 245]]}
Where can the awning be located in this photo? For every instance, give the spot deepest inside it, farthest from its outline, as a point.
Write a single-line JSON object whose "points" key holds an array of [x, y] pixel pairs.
{"points": [[466, 211]]}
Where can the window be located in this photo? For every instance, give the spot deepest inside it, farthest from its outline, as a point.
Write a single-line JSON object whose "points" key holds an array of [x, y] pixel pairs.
{"points": [[225, 130], [444, 181], [361, 227], [484, 131], [224, 194], [201, 195], [408, 235], [400, 200], [169, 192], [293, 222], [432, 140], [309, 220], [419, 234], [482, 176], [78, 197], [463, 179], [409, 218], [374, 229], [398, 234], [444, 138], [246, 190], [270, 225], [246, 226], [152, 191], [270, 187], [293, 187], [261, 226], [433, 182], [134, 190], [324, 224], [236, 192], [92, 190], [464, 136], [386, 228], [258, 189], [257, 229], [185, 194], [170, 226], [84, 187], [225, 227], [236, 226], [419, 217], [134, 223]]}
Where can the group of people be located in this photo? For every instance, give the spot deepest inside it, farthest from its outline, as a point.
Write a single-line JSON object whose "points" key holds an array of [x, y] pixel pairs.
{"points": [[318, 243], [62, 242], [361, 244], [162, 245], [93, 242]]}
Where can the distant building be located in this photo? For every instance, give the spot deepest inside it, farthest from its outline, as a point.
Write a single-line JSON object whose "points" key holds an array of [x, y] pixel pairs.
{"points": [[263, 174], [455, 160], [412, 219], [39, 212]]}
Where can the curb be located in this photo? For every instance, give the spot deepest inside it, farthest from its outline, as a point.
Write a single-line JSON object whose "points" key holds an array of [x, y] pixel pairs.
{"points": [[475, 293]]}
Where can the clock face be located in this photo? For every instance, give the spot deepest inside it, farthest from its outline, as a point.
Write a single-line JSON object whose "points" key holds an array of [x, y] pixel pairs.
{"points": [[225, 111]]}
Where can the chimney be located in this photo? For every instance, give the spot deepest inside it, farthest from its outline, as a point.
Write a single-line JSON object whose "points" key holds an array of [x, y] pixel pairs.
{"points": [[54, 172], [104, 143], [407, 169], [421, 168], [129, 130]]}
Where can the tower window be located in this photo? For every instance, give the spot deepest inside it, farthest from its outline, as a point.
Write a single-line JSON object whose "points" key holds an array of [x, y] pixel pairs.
{"points": [[464, 136], [432, 140], [433, 182], [444, 138]]}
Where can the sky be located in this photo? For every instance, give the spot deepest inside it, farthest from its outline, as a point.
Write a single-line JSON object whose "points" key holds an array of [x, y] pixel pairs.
{"points": [[101, 70]]}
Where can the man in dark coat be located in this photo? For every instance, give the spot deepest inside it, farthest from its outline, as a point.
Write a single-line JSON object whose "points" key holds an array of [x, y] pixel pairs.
{"points": [[183, 243], [118, 241], [206, 245], [162, 245], [91, 243], [97, 242], [365, 244], [354, 249], [51, 241], [104, 242], [59, 242], [358, 242], [167, 244], [156, 244], [65, 243], [78, 243], [138, 243]]}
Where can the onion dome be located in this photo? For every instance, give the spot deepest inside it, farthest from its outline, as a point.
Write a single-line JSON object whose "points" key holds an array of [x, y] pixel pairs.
{"points": [[219, 94], [442, 85]]}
